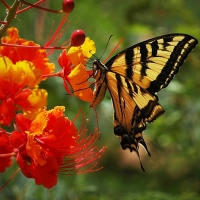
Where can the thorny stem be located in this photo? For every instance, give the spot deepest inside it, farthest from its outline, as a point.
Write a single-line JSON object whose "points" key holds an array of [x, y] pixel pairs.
{"points": [[9, 17], [5, 4]]}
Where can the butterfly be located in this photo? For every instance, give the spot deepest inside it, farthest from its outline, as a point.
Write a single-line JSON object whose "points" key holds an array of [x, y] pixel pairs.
{"points": [[133, 77]]}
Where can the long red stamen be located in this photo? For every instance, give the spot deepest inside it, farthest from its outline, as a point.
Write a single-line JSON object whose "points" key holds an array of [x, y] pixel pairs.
{"points": [[113, 50], [77, 115], [5, 155], [56, 33], [50, 44], [29, 7], [41, 8], [5, 4], [97, 120], [35, 47], [2, 22], [3, 131], [52, 75]]}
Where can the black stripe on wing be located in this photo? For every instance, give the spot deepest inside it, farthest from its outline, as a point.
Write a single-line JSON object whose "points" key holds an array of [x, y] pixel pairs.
{"points": [[177, 57], [152, 64]]}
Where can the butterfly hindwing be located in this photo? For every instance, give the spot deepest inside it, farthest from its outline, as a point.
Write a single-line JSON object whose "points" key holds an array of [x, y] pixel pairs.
{"points": [[126, 95], [133, 77]]}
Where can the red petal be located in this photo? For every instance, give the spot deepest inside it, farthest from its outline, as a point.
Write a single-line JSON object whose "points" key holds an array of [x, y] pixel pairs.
{"points": [[17, 139], [23, 123], [47, 174]]}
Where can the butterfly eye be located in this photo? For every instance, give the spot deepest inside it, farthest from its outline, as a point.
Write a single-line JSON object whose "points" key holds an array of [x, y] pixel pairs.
{"points": [[95, 74], [94, 70]]}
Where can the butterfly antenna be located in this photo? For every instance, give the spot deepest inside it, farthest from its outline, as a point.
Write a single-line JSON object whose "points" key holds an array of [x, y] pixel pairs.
{"points": [[106, 47], [85, 80]]}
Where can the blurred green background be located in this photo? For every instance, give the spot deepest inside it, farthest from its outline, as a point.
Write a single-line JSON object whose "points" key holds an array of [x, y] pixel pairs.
{"points": [[173, 171]]}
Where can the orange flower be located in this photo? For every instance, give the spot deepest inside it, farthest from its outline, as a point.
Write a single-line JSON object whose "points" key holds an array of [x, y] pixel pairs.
{"points": [[37, 56], [16, 83], [5, 148], [51, 144], [74, 71]]}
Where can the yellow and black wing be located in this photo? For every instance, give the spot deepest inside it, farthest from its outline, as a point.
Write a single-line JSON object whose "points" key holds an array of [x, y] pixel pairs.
{"points": [[133, 77], [152, 64]]}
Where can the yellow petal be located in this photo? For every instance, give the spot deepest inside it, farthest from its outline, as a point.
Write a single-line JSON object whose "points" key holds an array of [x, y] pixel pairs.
{"points": [[35, 103], [19, 75], [88, 48], [82, 53], [57, 112]]}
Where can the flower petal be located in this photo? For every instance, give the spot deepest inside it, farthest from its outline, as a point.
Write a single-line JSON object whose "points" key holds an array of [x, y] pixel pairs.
{"points": [[82, 53], [34, 103], [47, 174], [38, 57], [5, 148], [78, 81]]}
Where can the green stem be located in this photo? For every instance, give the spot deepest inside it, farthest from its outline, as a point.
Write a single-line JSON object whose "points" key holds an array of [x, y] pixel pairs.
{"points": [[9, 17]]}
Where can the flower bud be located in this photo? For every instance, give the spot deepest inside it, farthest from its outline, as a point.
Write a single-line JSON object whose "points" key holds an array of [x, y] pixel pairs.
{"points": [[67, 6], [77, 38]]}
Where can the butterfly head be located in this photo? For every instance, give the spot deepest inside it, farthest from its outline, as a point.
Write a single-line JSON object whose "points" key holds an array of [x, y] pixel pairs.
{"points": [[98, 66]]}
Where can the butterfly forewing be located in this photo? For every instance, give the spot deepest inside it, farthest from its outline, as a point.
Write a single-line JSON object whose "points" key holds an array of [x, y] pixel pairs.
{"points": [[133, 77], [152, 64]]}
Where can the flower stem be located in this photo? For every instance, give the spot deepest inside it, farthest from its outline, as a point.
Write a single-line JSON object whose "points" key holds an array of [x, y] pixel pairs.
{"points": [[10, 178], [52, 75], [38, 7], [9, 17], [34, 47]]}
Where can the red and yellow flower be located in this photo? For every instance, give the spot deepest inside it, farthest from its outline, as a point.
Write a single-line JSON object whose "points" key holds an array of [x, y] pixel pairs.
{"points": [[51, 144], [21, 71], [74, 72], [44, 142], [19, 49], [18, 89]]}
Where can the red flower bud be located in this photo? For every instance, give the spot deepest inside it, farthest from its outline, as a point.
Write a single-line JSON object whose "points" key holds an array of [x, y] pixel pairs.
{"points": [[77, 38], [67, 6]]}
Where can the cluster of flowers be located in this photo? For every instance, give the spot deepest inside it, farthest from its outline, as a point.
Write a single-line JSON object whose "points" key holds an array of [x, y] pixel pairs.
{"points": [[44, 142]]}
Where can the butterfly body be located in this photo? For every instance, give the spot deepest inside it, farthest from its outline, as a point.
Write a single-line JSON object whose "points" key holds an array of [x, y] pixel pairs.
{"points": [[133, 77]]}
